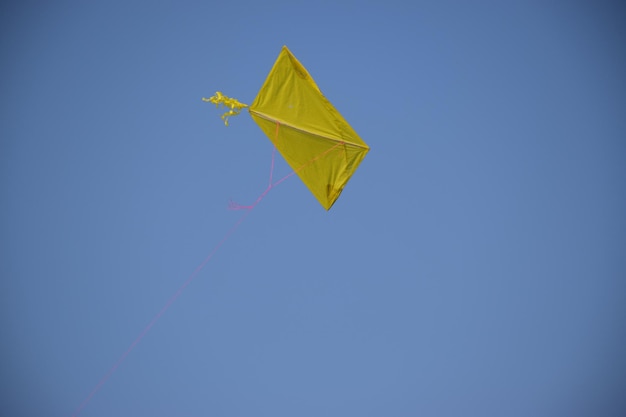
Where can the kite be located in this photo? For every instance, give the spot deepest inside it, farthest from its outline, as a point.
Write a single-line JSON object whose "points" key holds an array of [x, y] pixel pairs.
{"points": [[307, 130], [315, 140]]}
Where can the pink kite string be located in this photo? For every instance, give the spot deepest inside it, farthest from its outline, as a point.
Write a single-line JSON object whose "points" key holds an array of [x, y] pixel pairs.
{"points": [[229, 233], [234, 206], [167, 305]]}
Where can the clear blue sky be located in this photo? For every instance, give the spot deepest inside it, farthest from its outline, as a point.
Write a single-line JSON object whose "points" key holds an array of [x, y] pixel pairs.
{"points": [[475, 265]]}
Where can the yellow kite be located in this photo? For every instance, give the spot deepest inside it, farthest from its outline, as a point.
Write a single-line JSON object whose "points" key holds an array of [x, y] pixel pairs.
{"points": [[315, 140]]}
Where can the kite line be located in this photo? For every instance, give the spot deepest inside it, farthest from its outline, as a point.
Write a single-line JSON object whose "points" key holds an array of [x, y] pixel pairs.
{"points": [[232, 206]]}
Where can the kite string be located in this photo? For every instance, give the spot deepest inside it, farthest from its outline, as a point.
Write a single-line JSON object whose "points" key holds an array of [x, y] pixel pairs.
{"points": [[234, 206], [167, 305], [229, 233]]}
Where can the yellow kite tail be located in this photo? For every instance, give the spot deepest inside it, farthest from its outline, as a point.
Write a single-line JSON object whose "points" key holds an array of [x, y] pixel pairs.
{"points": [[232, 103]]}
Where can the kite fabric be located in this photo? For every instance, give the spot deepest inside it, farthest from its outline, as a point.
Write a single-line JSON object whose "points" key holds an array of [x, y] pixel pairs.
{"points": [[307, 130]]}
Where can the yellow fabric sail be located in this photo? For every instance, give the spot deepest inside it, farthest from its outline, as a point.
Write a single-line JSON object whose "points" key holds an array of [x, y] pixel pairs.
{"points": [[312, 136], [315, 140]]}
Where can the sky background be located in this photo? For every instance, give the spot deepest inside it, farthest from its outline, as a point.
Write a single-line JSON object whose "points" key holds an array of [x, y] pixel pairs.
{"points": [[475, 265]]}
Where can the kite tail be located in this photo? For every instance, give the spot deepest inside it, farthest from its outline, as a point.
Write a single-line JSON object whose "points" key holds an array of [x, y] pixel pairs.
{"points": [[233, 104]]}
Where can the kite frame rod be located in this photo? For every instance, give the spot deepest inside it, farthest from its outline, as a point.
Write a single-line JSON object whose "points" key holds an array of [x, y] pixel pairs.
{"points": [[282, 123]]}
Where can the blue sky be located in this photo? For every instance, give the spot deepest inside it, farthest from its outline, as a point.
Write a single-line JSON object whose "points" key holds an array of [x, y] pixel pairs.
{"points": [[475, 265]]}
